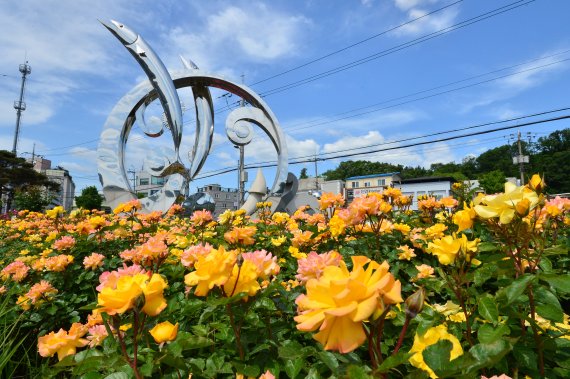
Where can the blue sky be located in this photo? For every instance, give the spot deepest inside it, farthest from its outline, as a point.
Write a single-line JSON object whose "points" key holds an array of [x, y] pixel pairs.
{"points": [[79, 71]]}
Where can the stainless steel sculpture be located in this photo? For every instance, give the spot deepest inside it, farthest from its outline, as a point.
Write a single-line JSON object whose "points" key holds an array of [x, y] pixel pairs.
{"points": [[163, 85]]}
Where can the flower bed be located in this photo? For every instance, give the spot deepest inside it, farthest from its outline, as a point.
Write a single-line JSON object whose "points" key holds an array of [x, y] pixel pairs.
{"points": [[371, 289]]}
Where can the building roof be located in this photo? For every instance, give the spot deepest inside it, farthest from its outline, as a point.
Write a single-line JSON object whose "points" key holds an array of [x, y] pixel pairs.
{"points": [[373, 176], [427, 179]]}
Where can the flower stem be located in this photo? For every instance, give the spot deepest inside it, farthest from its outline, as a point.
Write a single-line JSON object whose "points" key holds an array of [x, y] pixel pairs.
{"points": [[402, 335], [537, 339], [236, 331]]}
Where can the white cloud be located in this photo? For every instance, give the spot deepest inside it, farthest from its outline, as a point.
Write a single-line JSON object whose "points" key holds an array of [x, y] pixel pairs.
{"points": [[413, 156], [253, 34], [353, 142], [382, 120], [417, 8], [530, 76]]}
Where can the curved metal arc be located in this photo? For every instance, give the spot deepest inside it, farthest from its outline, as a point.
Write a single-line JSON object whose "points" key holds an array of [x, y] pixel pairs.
{"points": [[204, 129], [158, 75], [272, 129], [119, 123]]}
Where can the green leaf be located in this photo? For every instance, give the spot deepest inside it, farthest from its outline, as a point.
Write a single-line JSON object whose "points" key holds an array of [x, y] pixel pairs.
{"points": [[548, 305], [556, 250], [291, 350], [189, 341], [487, 308], [560, 282], [91, 375], [485, 247], [437, 356], [313, 374], [488, 354], [394, 361], [512, 292], [525, 357], [293, 367], [247, 370], [357, 372], [488, 334], [118, 375], [329, 359], [147, 368], [173, 361], [484, 273], [265, 303]]}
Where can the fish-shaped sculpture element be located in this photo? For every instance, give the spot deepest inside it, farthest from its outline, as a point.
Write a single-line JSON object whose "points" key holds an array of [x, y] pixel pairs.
{"points": [[157, 74]]}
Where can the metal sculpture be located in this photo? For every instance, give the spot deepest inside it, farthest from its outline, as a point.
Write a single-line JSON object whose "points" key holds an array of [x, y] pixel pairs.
{"points": [[163, 85]]}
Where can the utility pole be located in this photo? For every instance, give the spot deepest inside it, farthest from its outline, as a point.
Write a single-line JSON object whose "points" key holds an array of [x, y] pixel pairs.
{"points": [[316, 175], [520, 159], [20, 105], [34, 155]]}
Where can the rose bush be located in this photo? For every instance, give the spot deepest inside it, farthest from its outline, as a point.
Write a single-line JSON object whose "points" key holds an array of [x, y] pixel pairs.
{"points": [[370, 289]]}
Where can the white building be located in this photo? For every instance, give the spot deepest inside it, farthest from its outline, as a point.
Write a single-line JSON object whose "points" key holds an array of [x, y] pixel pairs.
{"points": [[66, 194], [437, 186]]}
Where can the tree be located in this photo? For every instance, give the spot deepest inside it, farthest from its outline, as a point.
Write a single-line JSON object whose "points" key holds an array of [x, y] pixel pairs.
{"points": [[492, 181], [348, 169], [16, 174], [303, 174], [499, 158], [89, 198], [34, 198]]}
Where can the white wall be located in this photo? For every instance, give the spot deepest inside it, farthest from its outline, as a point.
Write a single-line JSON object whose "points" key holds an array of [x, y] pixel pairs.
{"points": [[437, 189]]}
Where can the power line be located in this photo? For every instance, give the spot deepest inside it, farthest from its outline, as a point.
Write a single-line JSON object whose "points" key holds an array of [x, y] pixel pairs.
{"points": [[219, 171], [356, 43], [394, 49], [328, 121], [312, 124], [255, 165], [456, 130]]}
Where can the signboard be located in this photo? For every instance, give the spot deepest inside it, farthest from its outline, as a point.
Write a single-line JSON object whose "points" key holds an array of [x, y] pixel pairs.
{"points": [[361, 192]]}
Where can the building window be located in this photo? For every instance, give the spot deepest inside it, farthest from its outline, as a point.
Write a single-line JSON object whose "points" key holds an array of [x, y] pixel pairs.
{"points": [[227, 195], [156, 180], [366, 184], [354, 184], [381, 182], [143, 181], [217, 196]]}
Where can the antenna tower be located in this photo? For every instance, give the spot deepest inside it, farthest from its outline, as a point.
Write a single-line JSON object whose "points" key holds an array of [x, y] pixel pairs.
{"points": [[20, 105]]}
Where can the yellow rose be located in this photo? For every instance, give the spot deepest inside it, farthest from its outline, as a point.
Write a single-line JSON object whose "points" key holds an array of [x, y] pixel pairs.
{"points": [[446, 249], [431, 337], [212, 269], [278, 241], [503, 205], [153, 293], [122, 298], [337, 303], [164, 332]]}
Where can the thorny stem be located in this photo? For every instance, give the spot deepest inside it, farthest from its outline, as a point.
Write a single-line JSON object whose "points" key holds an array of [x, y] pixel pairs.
{"points": [[402, 335], [371, 350], [457, 291], [236, 331], [135, 343], [117, 325], [537, 339]]}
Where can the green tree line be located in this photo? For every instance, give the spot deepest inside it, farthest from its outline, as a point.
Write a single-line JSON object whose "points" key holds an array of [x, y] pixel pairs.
{"points": [[549, 156]]}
